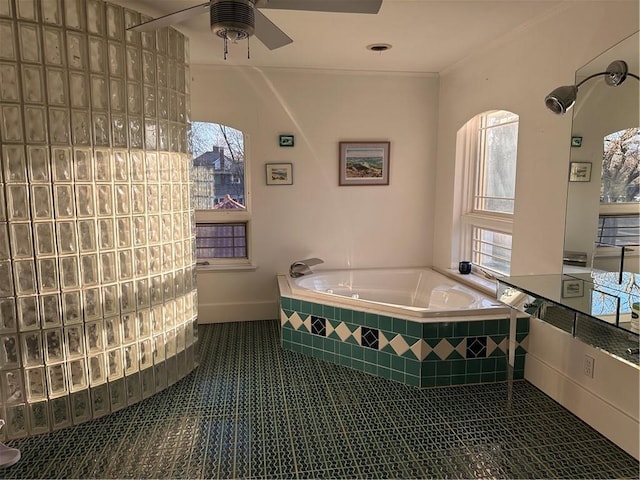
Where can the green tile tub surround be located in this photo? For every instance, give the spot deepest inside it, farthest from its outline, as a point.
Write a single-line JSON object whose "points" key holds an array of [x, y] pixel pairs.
{"points": [[418, 354]]}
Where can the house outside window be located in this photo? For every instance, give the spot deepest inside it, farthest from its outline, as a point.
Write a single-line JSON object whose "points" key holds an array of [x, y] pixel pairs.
{"points": [[490, 143], [220, 196]]}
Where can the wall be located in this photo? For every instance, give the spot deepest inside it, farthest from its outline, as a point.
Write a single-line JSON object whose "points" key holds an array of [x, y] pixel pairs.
{"points": [[363, 226], [516, 74]]}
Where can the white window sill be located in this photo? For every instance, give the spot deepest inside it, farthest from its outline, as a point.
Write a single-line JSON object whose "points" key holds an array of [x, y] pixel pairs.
{"points": [[212, 267], [488, 286]]}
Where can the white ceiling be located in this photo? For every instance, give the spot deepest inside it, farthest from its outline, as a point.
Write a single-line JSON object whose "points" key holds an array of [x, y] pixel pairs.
{"points": [[426, 35]]}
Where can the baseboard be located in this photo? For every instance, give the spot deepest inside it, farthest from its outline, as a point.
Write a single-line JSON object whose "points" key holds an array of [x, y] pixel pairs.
{"points": [[610, 421], [237, 312]]}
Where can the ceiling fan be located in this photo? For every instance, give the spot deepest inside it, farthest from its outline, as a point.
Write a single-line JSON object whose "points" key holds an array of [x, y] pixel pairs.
{"points": [[234, 20]]}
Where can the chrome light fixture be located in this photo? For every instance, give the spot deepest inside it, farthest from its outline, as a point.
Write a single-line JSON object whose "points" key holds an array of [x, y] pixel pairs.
{"points": [[562, 98]]}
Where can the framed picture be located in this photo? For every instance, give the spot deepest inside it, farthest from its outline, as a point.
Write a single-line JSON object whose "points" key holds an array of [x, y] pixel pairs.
{"points": [[287, 140], [576, 141], [572, 287], [580, 172], [279, 174], [364, 163]]}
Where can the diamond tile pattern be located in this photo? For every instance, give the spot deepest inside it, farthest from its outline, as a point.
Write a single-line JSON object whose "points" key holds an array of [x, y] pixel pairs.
{"points": [[369, 337], [319, 326], [244, 413]]}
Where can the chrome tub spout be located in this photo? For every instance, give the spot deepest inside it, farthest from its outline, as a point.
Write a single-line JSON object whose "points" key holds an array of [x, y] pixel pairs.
{"points": [[301, 267]]}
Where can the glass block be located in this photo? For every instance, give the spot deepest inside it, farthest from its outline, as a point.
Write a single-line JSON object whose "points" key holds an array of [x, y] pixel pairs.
{"points": [[95, 16], [14, 164], [125, 264], [97, 55], [114, 364], [157, 321], [116, 92], [105, 199], [5, 251], [60, 412], [51, 12], [131, 19], [21, 240], [120, 165], [117, 393], [110, 303], [26, 10], [36, 388], [143, 300], [41, 202], [85, 198], [123, 206], [167, 257], [80, 88], [101, 129], [153, 205], [38, 161], [35, 124], [7, 47], [5, 8], [78, 375], [171, 75], [119, 131], [51, 310], [87, 235], [6, 287], [54, 53], [112, 331], [60, 128], [134, 63], [29, 42], [106, 233], [167, 230], [150, 134], [83, 163], [32, 84], [156, 290], [57, 380], [127, 297], [57, 87], [45, 239], [32, 349], [124, 232], [9, 90], [131, 361], [9, 352], [134, 99], [163, 103], [115, 22], [138, 200], [17, 202], [74, 336], [12, 386], [11, 123], [175, 138], [161, 70], [66, 236], [89, 269], [108, 267], [115, 55], [165, 189], [146, 353], [94, 332], [81, 127], [135, 133], [76, 51], [181, 109], [97, 370], [155, 259], [47, 275], [53, 345], [71, 307], [16, 426], [64, 204], [100, 400], [139, 230], [8, 316], [69, 272], [74, 14], [80, 407], [150, 102], [62, 166], [168, 314], [99, 96], [92, 304], [170, 343], [24, 277]]}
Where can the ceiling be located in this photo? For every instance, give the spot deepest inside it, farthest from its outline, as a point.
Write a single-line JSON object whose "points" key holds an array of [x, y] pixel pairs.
{"points": [[427, 36]]}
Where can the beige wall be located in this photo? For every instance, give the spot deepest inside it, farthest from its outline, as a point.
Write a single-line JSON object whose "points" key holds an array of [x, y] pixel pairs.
{"points": [[364, 226]]}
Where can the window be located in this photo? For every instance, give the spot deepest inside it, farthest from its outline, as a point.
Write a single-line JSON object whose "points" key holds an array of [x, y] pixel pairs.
{"points": [[489, 144], [219, 194]]}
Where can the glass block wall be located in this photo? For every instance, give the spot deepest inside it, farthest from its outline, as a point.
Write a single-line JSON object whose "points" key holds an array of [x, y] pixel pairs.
{"points": [[97, 289]]}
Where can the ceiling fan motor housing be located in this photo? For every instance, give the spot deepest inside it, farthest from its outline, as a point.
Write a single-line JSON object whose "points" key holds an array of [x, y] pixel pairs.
{"points": [[233, 16]]}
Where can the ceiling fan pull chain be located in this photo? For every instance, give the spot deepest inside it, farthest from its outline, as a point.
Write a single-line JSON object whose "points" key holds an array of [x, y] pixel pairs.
{"points": [[248, 49], [226, 49]]}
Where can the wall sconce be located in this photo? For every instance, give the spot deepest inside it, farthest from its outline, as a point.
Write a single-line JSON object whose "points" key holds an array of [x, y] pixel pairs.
{"points": [[562, 98]]}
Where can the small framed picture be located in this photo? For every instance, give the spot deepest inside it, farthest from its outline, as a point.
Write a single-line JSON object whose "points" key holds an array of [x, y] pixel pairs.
{"points": [[572, 287], [287, 140], [580, 172], [279, 174], [576, 141], [364, 163]]}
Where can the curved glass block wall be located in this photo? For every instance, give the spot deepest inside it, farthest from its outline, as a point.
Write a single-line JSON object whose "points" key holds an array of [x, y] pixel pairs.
{"points": [[97, 289]]}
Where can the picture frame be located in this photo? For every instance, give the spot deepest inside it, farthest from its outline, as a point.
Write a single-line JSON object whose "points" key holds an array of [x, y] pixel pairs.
{"points": [[279, 173], [287, 140], [572, 287], [364, 163], [576, 141], [580, 172]]}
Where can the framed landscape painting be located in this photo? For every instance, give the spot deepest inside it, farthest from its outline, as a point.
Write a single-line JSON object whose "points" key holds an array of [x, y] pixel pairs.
{"points": [[364, 163], [279, 174]]}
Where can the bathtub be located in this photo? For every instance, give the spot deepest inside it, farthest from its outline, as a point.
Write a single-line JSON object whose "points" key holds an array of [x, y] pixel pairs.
{"points": [[412, 325], [412, 292]]}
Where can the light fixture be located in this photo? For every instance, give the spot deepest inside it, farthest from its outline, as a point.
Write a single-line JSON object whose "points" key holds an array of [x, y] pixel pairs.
{"points": [[562, 98], [379, 47], [233, 21]]}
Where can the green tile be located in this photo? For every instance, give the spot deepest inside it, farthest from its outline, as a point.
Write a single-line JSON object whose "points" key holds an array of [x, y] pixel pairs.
{"points": [[461, 329], [501, 376], [443, 381], [398, 376], [286, 344], [429, 368], [430, 331], [306, 308], [521, 336], [445, 330], [295, 305], [371, 368], [370, 355], [491, 327], [285, 303], [458, 379], [428, 382], [443, 368], [345, 361], [488, 365], [358, 318], [371, 320], [384, 372], [487, 377], [458, 367], [504, 326], [397, 363], [399, 326], [357, 364], [286, 335], [519, 362], [522, 325], [316, 309], [318, 342], [384, 359], [412, 367], [329, 311], [346, 315], [471, 378], [476, 328], [344, 349], [306, 349], [412, 380], [385, 323], [414, 329]]}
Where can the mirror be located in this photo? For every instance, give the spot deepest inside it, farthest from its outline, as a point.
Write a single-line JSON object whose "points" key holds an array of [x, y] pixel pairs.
{"points": [[602, 230]]}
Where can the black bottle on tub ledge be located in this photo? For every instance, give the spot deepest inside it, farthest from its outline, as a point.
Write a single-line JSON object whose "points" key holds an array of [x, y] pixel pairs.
{"points": [[464, 268]]}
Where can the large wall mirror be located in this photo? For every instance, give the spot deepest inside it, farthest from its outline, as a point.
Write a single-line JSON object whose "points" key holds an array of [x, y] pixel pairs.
{"points": [[602, 232]]}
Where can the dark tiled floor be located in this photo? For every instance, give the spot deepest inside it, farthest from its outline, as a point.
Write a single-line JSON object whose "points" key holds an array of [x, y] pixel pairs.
{"points": [[253, 410]]}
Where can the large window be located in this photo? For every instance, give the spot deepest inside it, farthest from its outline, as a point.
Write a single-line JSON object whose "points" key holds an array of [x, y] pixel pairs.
{"points": [[490, 152], [220, 196]]}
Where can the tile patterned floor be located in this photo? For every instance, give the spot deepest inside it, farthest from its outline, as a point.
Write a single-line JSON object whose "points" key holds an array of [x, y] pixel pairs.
{"points": [[254, 410]]}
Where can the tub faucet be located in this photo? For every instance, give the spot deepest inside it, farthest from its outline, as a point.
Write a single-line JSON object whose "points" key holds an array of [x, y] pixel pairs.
{"points": [[301, 267]]}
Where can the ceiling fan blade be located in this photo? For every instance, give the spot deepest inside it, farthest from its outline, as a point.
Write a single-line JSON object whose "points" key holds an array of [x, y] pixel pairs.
{"points": [[172, 18], [340, 6], [269, 34]]}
